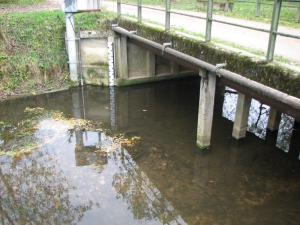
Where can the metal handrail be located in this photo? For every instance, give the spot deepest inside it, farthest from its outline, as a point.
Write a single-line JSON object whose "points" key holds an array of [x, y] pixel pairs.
{"points": [[273, 32]]}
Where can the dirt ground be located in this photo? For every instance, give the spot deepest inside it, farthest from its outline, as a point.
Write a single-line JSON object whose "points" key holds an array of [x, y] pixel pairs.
{"points": [[49, 5]]}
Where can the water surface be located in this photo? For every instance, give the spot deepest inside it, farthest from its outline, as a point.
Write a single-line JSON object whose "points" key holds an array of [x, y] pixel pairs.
{"points": [[142, 166]]}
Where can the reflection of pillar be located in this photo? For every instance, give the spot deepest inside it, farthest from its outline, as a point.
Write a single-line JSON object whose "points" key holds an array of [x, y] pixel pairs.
{"points": [[200, 179], [79, 138], [241, 117], [122, 109], [76, 105], [274, 120], [206, 108]]}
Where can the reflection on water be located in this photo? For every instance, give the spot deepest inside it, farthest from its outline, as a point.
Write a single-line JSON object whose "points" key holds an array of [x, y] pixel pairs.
{"points": [[258, 119], [145, 169]]}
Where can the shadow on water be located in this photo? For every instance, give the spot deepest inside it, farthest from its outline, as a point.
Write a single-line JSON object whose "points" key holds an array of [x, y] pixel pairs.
{"points": [[146, 167]]}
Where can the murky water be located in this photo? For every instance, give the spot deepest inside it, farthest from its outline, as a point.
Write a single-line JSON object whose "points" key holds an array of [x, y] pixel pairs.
{"points": [[143, 166]]}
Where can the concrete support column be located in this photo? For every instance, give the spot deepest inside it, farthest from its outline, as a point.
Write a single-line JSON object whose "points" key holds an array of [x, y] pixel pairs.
{"points": [[150, 63], [206, 108], [241, 117], [174, 67], [274, 120], [72, 54], [121, 58]]}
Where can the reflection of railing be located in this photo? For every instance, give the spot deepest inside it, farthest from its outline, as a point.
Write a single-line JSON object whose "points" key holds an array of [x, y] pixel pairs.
{"points": [[258, 119], [209, 19]]}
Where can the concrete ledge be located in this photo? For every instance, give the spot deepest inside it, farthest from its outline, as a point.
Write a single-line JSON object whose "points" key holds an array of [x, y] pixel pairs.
{"points": [[140, 80]]}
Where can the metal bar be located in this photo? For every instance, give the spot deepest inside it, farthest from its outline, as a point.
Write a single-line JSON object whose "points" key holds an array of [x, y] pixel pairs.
{"points": [[210, 5], [153, 8], [119, 8], [185, 14], [240, 25], [221, 21], [276, 99], [266, 3], [287, 35], [139, 11], [167, 21], [274, 27]]}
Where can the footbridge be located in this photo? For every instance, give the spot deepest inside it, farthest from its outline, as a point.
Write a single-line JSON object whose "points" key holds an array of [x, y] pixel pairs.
{"points": [[134, 50]]}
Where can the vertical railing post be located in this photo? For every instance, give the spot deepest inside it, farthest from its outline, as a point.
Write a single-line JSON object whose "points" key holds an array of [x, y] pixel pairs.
{"points": [[258, 7], [273, 30], [298, 14], [119, 8], [210, 5], [167, 21], [139, 11]]}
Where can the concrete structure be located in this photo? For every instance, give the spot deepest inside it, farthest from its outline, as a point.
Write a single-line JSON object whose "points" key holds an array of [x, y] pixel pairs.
{"points": [[206, 108], [274, 120], [139, 60], [241, 117]]}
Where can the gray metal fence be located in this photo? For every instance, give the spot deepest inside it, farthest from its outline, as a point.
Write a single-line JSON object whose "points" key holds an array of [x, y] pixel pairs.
{"points": [[273, 32]]}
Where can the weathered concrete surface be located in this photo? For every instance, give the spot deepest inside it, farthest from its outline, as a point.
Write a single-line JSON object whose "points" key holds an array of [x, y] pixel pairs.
{"points": [[206, 109], [94, 57]]}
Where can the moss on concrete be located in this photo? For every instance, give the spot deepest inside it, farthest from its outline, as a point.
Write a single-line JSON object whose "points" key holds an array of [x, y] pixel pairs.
{"points": [[270, 74]]}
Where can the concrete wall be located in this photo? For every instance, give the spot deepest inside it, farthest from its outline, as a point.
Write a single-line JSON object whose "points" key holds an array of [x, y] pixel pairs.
{"points": [[143, 66], [94, 54]]}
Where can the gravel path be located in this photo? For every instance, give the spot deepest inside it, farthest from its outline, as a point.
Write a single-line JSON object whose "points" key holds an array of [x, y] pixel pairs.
{"points": [[49, 5]]}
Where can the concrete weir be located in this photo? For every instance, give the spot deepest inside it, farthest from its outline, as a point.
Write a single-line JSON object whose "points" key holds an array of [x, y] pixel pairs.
{"points": [[139, 60]]}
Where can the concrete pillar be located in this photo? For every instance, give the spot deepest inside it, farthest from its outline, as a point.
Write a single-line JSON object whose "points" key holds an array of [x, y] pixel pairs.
{"points": [[121, 57], [241, 117], [174, 67], [274, 120], [72, 54], [150, 63], [206, 108]]}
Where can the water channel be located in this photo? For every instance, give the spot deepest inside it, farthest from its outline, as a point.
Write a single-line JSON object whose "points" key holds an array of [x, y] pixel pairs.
{"points": [[128, 155]]}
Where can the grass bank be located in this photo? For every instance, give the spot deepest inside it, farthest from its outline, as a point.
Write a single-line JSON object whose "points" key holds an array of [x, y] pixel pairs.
{"points": [[33, 55], [5, 3]]}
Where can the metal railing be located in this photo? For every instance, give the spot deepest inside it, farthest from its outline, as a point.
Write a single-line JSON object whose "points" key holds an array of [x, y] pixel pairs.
{"points": [[259, 3], [273, 32]]}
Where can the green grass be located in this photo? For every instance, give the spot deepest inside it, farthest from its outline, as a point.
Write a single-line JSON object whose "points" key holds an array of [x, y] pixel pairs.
{"points": [[240, 10], [4, 3], [35, 55]]}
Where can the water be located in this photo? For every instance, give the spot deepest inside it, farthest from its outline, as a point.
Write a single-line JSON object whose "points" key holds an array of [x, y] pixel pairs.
{"points": [[141, 165]]}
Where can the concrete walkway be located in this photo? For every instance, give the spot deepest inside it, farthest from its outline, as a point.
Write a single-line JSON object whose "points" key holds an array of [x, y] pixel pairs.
{"points": [[286, 47]]}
